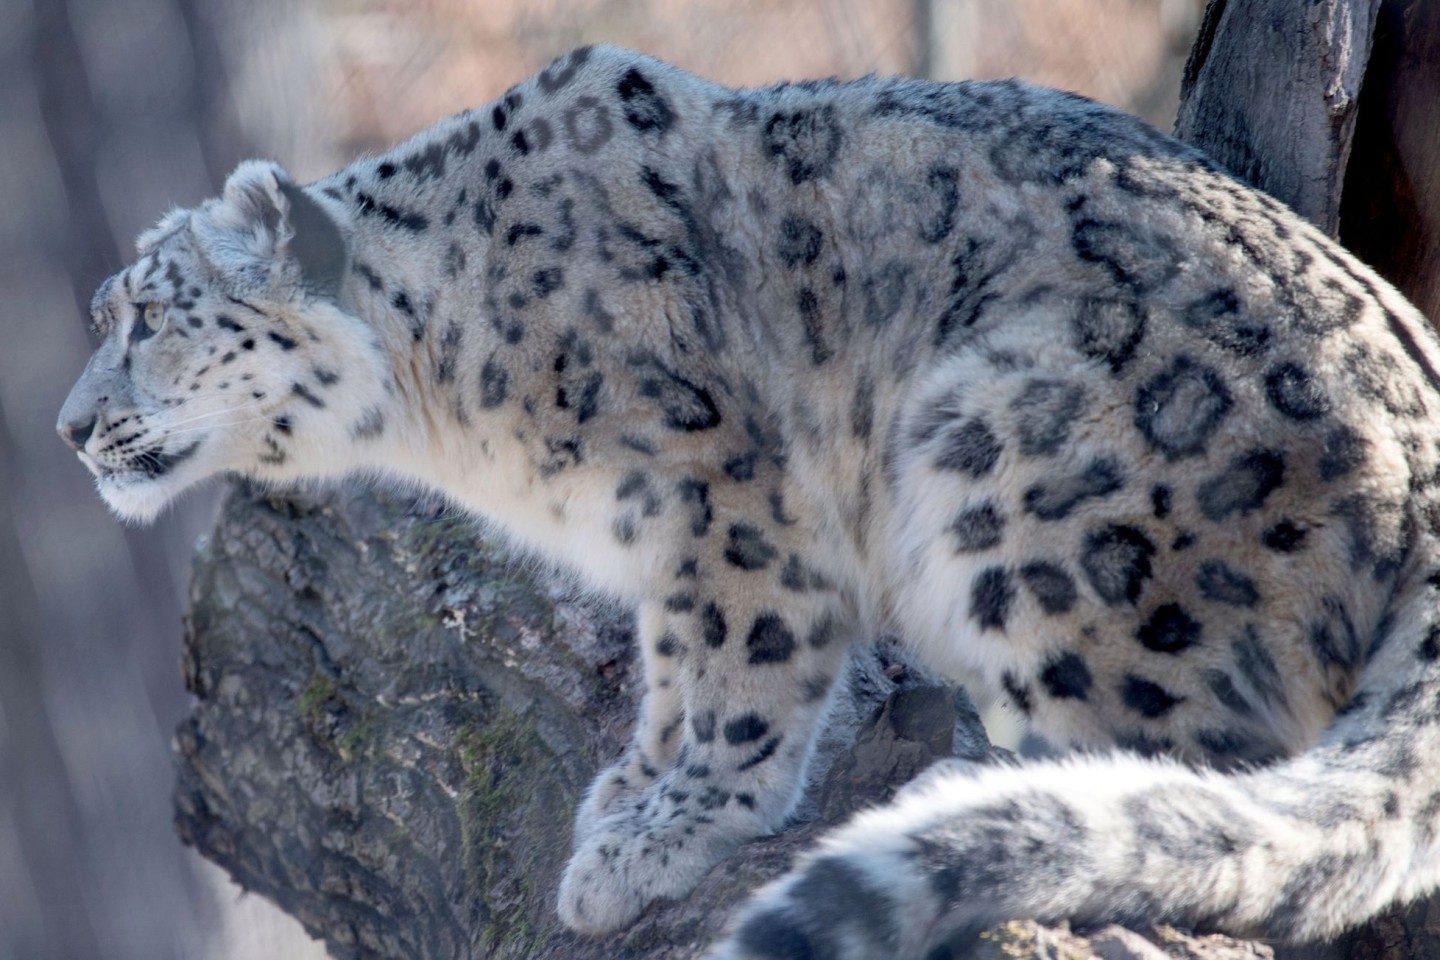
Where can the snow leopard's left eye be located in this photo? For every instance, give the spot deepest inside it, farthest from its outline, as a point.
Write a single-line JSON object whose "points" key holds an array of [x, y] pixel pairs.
{"points": [[151, 320]]}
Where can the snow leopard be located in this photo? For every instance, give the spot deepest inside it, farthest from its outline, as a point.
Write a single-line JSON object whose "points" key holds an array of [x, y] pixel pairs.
{"points": [[1084, 419]]}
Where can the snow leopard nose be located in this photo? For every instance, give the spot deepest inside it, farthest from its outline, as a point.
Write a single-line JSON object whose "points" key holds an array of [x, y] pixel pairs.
{"points": [[76, 432]]}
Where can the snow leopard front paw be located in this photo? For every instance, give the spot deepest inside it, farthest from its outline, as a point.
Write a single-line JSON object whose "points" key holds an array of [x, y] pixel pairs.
{"points": [[621, 786], [636, 856]]}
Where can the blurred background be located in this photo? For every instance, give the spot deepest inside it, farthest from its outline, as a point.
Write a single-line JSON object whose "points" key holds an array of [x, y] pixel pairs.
{"points": [[112, 111]]}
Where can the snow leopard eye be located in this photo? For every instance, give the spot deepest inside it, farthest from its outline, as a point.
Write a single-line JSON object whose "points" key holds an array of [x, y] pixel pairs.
{"points": [[152, 320]]}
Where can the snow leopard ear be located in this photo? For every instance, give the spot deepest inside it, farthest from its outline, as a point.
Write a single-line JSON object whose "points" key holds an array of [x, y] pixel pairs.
{"points": [[281, 231]]}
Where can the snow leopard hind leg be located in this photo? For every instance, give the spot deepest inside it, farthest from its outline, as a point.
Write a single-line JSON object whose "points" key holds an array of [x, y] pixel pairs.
{"points": [[1296, 851], [1232, 564]]}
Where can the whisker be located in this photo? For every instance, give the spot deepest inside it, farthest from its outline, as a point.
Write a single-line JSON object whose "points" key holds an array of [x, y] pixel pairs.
{"points": [[216, 413], [204, 427], [224, 397]]}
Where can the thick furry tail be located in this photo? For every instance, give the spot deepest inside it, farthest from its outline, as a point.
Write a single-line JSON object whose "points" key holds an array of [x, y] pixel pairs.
{"points": [[1295, 851]]}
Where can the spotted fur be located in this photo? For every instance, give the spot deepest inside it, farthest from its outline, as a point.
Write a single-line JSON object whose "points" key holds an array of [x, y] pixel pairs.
{"points": [[994, 368]]}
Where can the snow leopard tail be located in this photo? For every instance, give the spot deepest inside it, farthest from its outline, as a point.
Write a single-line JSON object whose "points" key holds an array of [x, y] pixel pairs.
{"points": [[1295, 851]]}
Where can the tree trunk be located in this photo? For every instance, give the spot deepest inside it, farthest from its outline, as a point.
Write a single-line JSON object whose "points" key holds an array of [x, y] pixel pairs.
{"points": [[1390, 213], [1272, 91], [393, 724]]}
